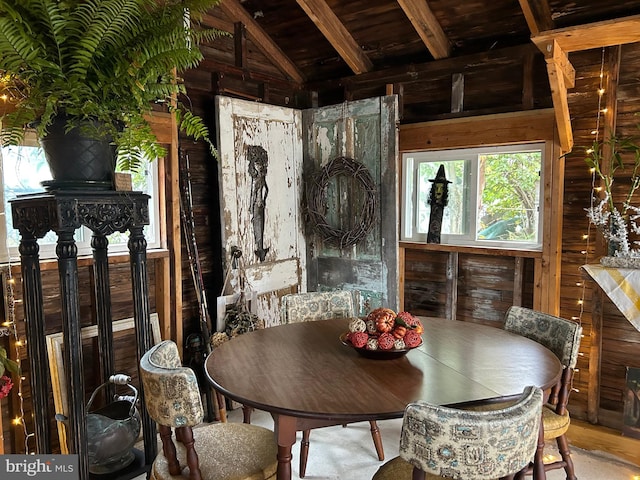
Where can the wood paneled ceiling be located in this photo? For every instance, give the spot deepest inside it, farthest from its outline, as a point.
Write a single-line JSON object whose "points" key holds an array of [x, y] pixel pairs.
{"points": [[315, 41]]}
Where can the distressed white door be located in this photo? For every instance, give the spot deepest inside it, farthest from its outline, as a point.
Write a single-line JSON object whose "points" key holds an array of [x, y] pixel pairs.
{"points": [[260, 149]]}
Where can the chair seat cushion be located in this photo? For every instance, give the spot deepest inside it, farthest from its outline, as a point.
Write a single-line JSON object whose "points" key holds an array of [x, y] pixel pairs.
{"points": [[399, 469], [488, 407], [554, 425], [226, 451]]}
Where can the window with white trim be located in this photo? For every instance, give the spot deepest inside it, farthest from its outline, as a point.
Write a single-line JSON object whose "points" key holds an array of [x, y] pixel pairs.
{"points": [[493, 195], [24, 168]]}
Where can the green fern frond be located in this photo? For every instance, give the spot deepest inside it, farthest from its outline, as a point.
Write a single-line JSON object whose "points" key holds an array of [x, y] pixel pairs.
{"points": [[96, 27], [194, 127], [17, 46], [137, 144], [109, 60], [12, 135]]}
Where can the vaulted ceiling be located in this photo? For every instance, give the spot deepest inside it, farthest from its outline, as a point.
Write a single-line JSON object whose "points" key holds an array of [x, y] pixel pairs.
{"points": [[313, 42]]}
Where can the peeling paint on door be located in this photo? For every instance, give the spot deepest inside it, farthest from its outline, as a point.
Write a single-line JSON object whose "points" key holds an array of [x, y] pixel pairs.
{"points": [[260, 152], [366, 131]]}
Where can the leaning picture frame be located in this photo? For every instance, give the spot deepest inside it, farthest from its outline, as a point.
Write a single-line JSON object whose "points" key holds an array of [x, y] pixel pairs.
{"points": [[55, 344]]}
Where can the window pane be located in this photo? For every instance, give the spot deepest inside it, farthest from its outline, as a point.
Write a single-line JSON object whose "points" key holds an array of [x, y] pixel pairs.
{"points": [[509, 186], [142, 181], [23, 169], [493, 198], [454, 218]]}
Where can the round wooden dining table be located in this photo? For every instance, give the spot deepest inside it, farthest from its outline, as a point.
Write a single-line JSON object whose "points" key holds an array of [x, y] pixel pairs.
{"points": [[306, 377]]}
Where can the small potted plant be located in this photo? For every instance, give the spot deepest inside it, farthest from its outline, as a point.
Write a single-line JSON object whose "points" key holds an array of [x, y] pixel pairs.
{"points": [[616, 219], [94, 69]]}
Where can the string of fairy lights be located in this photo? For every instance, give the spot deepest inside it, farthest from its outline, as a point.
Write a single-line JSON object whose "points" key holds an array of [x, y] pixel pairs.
{"points": [[595, 189], [10, 326]]}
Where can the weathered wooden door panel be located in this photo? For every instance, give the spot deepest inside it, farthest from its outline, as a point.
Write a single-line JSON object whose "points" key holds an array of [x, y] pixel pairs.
{"points": [[261, 171], [260, 151], [366, 131]]}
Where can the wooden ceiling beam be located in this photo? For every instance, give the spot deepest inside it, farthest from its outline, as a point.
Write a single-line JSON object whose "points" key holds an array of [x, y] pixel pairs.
{"points": [[537, 14], [427, 26], [556, 44], [557, 74], [262, 41], [337, 34], [561, 59], [592, 35]]}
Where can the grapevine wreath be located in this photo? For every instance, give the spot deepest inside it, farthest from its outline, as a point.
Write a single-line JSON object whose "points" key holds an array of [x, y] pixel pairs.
{"points": [[317, 204]]}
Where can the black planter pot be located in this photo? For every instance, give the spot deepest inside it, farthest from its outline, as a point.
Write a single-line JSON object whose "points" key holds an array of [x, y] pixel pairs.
{"points": [[79, 159]]}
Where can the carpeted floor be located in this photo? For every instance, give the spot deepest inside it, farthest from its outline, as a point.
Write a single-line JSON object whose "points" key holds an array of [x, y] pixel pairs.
{"points": [[339, 453]]}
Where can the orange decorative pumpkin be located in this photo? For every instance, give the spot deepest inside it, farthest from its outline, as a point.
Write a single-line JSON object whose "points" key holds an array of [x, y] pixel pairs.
{"points": [[418, 327], [384, 319], [411, 322], [399, 331]]}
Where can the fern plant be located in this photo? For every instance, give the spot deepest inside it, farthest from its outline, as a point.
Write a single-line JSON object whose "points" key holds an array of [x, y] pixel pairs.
{"points": [[105, 60]]}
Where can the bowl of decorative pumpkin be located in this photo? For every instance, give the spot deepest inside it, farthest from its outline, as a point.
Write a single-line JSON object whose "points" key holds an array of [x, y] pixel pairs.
{"points": [[383, 334]]}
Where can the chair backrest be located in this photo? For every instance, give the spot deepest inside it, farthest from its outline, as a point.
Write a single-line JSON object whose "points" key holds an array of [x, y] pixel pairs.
{"points": [[472, 445], [171, 392], [559, 335], [310, 306]]}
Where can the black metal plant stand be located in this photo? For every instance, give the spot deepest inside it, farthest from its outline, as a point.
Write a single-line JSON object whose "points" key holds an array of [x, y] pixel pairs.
{"points": [[103, 212]]}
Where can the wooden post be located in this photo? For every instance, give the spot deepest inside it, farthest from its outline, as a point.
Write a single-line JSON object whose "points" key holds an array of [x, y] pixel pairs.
{"points": [[595, 353], [518, 280]]}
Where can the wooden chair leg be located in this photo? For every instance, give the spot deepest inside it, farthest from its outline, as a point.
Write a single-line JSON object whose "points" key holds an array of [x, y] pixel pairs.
{"points": [[222, 407], [304, 452], [377, 439], [418, 474], [192, 456], [304, 446], [521, 474], [246, 414], [565, 453], [539, 473], [169, 449]]}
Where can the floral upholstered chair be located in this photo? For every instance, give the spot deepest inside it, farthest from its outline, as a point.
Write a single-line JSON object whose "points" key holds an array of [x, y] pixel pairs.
{"points": [[228, 451], [562, 337], [311, 306], [440, 442]]}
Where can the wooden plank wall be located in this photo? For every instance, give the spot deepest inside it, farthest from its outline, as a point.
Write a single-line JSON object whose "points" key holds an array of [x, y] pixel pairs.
{"points": [[488, 285], [493, 82], [425, 282], [465, 286], [619, 339], [203, 173]]}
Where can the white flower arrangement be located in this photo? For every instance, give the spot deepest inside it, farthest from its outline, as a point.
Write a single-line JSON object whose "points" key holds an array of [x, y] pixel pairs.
{"points": [[613, 221], [614, 227]]}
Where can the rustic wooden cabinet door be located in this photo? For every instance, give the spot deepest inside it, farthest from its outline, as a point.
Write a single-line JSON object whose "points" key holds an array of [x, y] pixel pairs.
{"points": [[265, 157]]}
